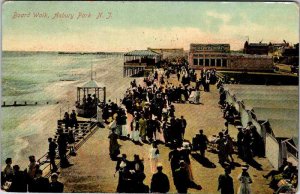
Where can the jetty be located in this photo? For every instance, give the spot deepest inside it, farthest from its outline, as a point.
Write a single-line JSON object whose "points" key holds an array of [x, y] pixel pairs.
{"points": [[27, 103]]}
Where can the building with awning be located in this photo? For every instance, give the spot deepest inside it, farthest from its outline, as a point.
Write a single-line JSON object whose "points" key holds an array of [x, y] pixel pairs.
{"points": [[274, 112], [219, 56], [138, 61]]}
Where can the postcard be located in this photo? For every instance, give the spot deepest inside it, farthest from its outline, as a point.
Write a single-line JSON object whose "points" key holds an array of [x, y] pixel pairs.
{"points": [[139, 97]]}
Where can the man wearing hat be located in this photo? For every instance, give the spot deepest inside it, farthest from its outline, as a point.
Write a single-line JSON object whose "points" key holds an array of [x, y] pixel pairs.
{"points": [[52, 154], [201, 141], [40, 183], [240, 137], [160, 181], [55, 185], [225, 182]]}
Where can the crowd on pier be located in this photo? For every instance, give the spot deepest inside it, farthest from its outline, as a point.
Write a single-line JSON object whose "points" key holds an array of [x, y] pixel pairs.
{"points": [[154, 122]]}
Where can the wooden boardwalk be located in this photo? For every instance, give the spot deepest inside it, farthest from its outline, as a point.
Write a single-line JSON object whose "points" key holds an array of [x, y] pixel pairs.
{"points": [[93, 170]]}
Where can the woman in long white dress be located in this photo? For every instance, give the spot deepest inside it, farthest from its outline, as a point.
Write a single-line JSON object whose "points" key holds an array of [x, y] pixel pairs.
{"points": [[153, 156], [245, 181], [197, 96], [135, 131]]}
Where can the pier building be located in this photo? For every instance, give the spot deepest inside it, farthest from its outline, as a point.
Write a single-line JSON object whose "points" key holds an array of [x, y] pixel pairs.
{"points": [[140, 61]]}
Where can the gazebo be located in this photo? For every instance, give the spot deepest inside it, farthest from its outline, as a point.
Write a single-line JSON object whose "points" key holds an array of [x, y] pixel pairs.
{"points": [[86, 105]]}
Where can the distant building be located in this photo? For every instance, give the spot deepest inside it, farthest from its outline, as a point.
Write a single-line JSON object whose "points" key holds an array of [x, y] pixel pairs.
{"points": [[140, 61], [290, 55], [169, 53], [246, 62], [209, 55], [256, 48], [218, 56]]}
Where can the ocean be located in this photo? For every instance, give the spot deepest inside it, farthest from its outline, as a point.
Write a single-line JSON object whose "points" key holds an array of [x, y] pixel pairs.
{"points": [[48, 77]]}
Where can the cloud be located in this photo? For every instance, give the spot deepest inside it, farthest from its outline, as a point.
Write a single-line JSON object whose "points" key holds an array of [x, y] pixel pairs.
{"points": [[132, 38], [224, 17]]}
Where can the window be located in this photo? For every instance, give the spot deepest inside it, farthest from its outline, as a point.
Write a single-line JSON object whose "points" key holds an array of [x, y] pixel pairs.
{"points": [[224, 62], [201, 62], [212, 62], [195, 61], [218, 62], [206, 62]]}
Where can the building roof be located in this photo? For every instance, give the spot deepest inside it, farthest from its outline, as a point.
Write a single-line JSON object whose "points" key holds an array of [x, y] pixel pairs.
{"points": [[210, 47], [249, 55], [276, 104], [146, 53], [92, 84], [258, 44]]}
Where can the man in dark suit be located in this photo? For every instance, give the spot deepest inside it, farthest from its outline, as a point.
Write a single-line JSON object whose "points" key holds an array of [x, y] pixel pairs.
{"points": [[40, 184], [183, 125], [55, 185], [202, 142], [160, 182], [226, 182], [52, 154]]}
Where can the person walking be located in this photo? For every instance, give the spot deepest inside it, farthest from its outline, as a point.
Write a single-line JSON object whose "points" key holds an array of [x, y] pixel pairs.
{"points": [[245, 180], [183, 125], [73, 119], [62, 149], [52, 154], [143, 126], [182, 180], [153, 156], [178, 75], [225, 182], [160, 181], [202, 142], [114, 147]]}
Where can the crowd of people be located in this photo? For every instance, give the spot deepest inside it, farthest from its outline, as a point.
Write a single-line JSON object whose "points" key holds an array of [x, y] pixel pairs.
{"points": [[250, 144], [29, 180], [153, 122], [285, 178]]}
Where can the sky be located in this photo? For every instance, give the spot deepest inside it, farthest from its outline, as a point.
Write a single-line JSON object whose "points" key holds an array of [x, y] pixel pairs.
{"points": [[125, 26]]}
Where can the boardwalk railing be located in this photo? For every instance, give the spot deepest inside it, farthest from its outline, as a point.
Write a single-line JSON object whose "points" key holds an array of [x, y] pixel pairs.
{"points": [[291, 149], [84, 131]]}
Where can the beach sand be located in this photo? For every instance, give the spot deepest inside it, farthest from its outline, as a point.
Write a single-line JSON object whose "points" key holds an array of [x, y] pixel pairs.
{"points": [[32, 133]]}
